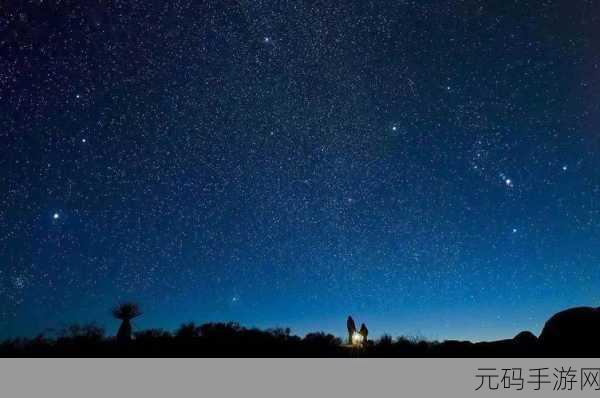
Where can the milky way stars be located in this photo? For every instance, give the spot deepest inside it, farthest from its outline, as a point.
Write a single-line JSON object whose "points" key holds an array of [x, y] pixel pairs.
{"points": [[431, 168]]}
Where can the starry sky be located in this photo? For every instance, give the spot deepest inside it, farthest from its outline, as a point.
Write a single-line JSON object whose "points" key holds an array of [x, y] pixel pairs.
{"points": [[430, 167]]}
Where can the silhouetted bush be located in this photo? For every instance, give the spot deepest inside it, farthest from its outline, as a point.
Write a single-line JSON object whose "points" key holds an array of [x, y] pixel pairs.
{"points": [[89, 333], [232, 340], [188, 331], [152, 335], [385, 340]]}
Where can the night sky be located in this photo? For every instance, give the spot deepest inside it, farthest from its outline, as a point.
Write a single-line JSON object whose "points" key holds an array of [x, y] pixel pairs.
{"points": [[430, 167]]}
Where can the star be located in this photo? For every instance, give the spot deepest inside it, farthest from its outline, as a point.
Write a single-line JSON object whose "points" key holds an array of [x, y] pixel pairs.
{"points": [[19, 282], [287, 159]]}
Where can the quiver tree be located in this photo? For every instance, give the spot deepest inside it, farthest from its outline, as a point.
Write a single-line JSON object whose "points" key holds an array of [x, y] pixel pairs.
{"points": [[125, 312]]}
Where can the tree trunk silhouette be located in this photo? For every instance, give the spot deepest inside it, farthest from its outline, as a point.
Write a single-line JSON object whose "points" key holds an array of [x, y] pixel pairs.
{"points": [[124, 332]]}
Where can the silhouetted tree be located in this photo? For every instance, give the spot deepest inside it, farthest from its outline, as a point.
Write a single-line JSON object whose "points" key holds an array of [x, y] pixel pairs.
{"points": [[125, 312], [386, 340], [280, 332], [220, 331], [188, 331], [351, 328], [322, 342]]}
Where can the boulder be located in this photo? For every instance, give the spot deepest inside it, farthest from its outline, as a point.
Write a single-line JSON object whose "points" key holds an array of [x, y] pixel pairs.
{"points": [[573, 331], [525, 338]]}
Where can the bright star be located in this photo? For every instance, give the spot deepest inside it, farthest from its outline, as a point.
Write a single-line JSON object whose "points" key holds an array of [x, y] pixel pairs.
{"points": [[19, 282], [564, 168], [56, 216], [83, 140]]}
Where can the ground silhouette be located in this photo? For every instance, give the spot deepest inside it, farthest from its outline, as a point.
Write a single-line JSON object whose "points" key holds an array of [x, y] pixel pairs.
{"points": [[573, 332]]}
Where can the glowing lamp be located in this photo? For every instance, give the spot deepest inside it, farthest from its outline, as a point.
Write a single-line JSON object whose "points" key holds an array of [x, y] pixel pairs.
{"points": [[357, 339]]}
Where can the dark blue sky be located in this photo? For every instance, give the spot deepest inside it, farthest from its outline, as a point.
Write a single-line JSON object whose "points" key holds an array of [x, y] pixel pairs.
{"points": [[430, 167]]}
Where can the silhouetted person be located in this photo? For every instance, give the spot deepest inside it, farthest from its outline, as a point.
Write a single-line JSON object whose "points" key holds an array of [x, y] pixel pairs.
{"points": [[125, 312], [364, 332], [351, 329]]}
